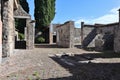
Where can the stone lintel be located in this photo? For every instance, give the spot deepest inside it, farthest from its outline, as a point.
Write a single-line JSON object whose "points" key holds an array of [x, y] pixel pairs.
{"points": [[22, 17]]}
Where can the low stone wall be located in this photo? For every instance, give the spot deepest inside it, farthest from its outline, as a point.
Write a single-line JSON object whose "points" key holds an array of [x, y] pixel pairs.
{"points": [[65, 35]]}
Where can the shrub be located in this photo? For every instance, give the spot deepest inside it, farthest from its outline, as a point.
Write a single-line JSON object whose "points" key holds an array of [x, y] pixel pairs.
{"points": [[21, 36], [40, 40]]}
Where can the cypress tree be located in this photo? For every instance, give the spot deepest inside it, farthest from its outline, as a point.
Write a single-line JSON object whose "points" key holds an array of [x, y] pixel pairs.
{"points": [[44, 13]]}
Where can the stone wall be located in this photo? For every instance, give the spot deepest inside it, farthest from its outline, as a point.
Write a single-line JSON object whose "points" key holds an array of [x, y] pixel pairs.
{"points": [[52, 33], [0, 35], [88, 34], [77, 35], [29, 29], [8, 28], [0, 41], [30, 34], [65, 35], [101, 37], [117, 39], [106, 34]]}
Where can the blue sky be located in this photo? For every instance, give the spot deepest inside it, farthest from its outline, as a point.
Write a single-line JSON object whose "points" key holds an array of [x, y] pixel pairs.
{"points": [[89, 11]]}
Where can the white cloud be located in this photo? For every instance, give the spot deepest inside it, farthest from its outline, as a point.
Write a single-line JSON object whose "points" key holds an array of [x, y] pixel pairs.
{"points": [[111, 17]]}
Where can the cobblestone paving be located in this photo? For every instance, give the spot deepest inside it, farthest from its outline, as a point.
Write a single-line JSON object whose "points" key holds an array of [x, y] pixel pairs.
{"points": [[33, 64]]}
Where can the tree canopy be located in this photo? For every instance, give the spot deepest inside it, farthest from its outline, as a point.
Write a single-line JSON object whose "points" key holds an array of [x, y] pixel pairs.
{"points": [[44, 13]]}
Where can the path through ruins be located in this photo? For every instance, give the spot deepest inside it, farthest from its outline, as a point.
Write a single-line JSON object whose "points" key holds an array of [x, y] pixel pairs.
{"points": [[60, 64]]}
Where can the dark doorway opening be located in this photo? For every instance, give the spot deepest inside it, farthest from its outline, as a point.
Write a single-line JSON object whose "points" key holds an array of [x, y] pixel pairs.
{"points": [[109, 41], [20, 42], [54, 38]]}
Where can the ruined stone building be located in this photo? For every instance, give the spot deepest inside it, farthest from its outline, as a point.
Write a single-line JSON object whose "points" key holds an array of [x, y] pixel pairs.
{"points": [[11, 9], [67, 35], [101, 36], [52, 33], [98, 36]]}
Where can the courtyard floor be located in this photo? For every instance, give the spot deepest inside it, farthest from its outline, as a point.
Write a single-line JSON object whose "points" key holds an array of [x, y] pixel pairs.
{"points": [[60, 64]]}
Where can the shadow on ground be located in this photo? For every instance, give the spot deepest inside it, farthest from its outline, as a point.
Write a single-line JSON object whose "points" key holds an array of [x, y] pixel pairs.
{"points": [[89, 71], [47, 46], [78, 46]]}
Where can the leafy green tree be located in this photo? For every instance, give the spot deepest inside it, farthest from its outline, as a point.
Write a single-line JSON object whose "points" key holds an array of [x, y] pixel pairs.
{"points": [[44, 13]]}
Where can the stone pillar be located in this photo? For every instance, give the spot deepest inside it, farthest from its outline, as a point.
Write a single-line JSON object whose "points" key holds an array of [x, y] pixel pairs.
{"points": [[8, 28], [71, 34], [119, 17], [51, 34], [0, 35], [30, 34], [57, 34], [25, 33], [82, 25]]}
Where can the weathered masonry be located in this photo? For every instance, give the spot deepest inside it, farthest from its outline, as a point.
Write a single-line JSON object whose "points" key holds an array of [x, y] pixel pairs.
{"points": [[98, 36], [52, 33], [117, 37], [77, 36], [29, 29], [65, 35], [10, 9], [0, 36], [88, 34]]}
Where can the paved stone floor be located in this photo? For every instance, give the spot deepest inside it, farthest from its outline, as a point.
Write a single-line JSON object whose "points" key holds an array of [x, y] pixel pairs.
{"points": [[42, 63]]}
